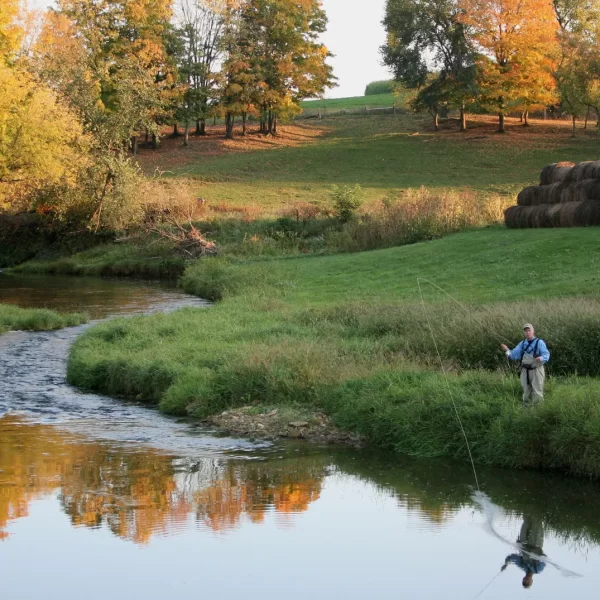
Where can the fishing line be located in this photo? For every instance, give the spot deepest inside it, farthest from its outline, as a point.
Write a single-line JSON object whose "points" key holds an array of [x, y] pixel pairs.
{"points": [[447, 382], [465, 308], [488, 584]]}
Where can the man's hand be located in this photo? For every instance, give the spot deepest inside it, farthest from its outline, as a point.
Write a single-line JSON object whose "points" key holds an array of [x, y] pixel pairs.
{"points": [[504, 347], [503, 566], [539, 359]]}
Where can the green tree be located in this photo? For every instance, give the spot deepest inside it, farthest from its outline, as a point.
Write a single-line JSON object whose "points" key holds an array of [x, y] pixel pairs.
{"points": [[289, 60], [427, 48]]}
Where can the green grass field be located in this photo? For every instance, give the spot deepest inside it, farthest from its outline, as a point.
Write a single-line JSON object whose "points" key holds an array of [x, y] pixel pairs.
{"points": [[356, 102], [385, 155]]}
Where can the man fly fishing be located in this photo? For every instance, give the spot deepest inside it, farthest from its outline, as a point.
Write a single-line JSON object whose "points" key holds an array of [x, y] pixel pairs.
{"points": [[533, 354]]}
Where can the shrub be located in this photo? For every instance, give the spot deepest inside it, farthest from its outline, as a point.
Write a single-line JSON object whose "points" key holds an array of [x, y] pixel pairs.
{"points": [[346, 199], [380, 87]]}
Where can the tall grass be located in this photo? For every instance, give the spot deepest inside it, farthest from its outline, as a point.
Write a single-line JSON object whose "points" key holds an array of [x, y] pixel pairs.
{"points": [[420, 215], [15, 318]]}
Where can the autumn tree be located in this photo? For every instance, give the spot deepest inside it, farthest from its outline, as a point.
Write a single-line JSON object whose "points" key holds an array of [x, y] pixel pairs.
{"points": [[41, 140], [578, 71], [517, 41], [116, 52], [428, 49], [10, 31], [288, 61]]}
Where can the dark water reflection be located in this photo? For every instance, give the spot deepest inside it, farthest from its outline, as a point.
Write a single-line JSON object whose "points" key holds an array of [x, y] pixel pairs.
{"points": [[105, 499]]}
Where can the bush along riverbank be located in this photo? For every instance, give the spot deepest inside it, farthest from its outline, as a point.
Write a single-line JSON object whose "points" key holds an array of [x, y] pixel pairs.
{"points": [[13, 318], [346, 335]]}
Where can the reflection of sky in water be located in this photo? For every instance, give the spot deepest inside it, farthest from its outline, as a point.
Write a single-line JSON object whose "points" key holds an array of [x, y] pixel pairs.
{"points": [[353, 542]]}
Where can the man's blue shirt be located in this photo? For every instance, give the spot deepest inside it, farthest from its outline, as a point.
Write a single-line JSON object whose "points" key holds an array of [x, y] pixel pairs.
{"points": [[535, 345]]}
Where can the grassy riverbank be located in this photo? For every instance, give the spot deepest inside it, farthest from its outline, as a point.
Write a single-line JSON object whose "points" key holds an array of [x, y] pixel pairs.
{"points": [[346, 334], [144, 261], [13, 318]]}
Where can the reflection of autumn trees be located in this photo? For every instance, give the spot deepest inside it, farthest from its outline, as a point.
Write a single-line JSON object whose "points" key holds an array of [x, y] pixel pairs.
{"points": [[138, 492], [252, 489]]}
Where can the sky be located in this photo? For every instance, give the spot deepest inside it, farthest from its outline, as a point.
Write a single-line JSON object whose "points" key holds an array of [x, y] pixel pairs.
{"points": [[354, 36]]}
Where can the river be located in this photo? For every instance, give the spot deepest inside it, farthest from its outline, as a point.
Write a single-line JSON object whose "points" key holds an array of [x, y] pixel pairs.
{"points": [[101, 498]]}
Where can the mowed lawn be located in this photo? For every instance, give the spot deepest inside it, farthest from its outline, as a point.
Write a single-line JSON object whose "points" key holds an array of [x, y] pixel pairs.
{"points": [[385, 154]]}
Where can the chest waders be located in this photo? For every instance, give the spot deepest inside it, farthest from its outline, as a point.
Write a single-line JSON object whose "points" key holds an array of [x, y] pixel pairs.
{"points": [[532, 372]]}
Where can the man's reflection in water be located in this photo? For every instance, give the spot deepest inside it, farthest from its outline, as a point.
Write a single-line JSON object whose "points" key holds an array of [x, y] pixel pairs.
{"points": [[530, 558]]}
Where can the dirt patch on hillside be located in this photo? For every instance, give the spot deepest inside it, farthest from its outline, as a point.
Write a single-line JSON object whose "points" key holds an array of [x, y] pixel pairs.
{"points": [[282, 422], [172, 154]]}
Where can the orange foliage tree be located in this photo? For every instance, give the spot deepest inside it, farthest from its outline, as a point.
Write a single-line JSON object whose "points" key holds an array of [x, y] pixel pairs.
{"points": [[517, 41]]}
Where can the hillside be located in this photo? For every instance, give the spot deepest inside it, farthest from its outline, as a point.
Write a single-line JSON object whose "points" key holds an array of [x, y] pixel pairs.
{"points": [[384, 154]]}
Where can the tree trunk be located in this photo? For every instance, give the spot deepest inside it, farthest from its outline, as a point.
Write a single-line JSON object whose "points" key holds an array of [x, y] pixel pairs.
{"points": [[526, 118], [147, 138], [154, 142], [270, 125], [436, 120], [198, 126], [244, 120], [229, 126], [522, 116], [176, 130], [574, 124], [463, 118], [587, 116], [202, 126], [274, 124], [501, 128], [186, 134], [134, 144]]}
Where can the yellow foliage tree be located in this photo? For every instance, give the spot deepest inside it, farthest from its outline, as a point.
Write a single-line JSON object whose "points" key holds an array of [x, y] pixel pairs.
{"points": [[10, 32], [41, 141], [517, 41]]}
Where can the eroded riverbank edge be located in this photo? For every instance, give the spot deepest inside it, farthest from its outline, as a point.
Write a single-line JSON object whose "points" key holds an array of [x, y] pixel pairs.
{"points": [[283, 422]]}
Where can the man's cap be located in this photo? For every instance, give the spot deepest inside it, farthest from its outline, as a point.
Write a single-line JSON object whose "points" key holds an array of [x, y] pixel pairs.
{"points": [[528, 326]]}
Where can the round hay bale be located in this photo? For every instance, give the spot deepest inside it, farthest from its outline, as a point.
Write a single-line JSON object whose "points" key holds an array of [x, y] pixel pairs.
{"points": [[591, 189], [588, 214], [553, 215], [567, 215], [592, 170], [517, 217], [579, 191], [540, 215], [578, 172], [511, 216], [556, 172], [528, 196], [553, 194]]}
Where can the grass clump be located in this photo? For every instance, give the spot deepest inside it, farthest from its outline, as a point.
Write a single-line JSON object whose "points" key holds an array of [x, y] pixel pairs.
{"points": [[13, 318]]}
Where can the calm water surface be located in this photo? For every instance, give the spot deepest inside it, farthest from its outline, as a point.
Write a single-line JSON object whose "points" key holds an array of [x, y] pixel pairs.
{"points": [[105, 499]]}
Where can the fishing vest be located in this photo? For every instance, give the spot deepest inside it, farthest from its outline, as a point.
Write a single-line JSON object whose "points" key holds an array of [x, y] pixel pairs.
{"points": [[529, 352]]}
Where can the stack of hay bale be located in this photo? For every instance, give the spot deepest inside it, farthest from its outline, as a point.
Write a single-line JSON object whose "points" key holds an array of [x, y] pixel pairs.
{"points": [[568, 196]]}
